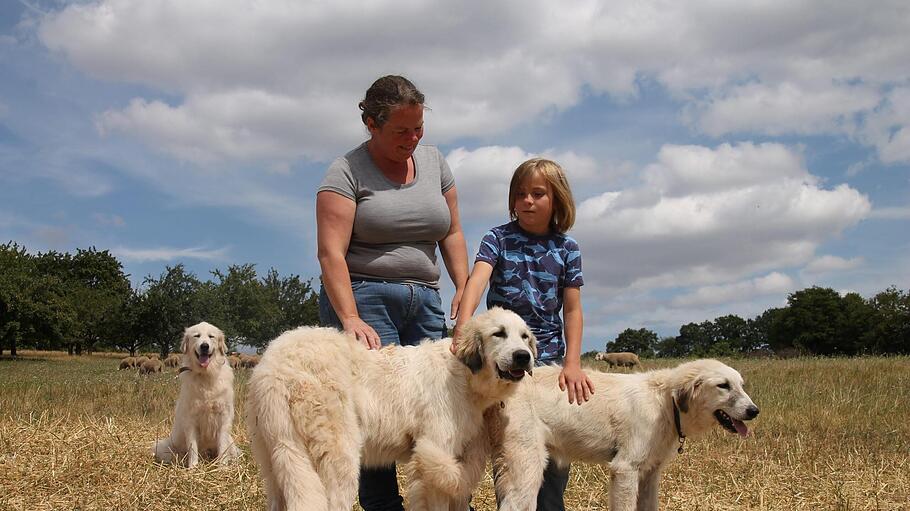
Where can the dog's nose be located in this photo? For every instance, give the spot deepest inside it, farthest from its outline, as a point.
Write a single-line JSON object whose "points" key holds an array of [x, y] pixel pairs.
{"points": [[521, 358], [751, 412], [203, 348]]}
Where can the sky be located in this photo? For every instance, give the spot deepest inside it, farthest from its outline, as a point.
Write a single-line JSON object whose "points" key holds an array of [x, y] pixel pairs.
{"points": [[722, 154]]}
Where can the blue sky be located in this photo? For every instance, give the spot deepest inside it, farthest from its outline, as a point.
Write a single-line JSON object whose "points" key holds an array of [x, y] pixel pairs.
{"points": [[722, 154]]}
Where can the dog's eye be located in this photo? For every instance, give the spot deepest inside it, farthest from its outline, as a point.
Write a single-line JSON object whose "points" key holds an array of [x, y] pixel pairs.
{"points": [[500, 333], [197, 335], [724, 385], [525, 336]]}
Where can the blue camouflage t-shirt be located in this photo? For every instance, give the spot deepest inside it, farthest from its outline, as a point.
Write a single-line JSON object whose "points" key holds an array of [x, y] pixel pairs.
{"points": [[530, 273]]}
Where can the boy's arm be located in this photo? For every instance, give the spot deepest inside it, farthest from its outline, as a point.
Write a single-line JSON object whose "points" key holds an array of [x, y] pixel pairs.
{"points": [[573, 379], [473, 290]]}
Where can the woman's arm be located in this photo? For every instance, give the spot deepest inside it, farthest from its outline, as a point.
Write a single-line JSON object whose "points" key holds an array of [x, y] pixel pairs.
{"points": [[334, 224], [473, 290], [573, 379], [455, 252]]}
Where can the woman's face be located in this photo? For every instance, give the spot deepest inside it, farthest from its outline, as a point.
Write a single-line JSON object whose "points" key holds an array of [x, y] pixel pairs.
{"points": [[397, 139]]}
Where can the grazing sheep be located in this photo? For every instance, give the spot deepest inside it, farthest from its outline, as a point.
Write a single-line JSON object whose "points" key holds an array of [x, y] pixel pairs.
{"points": [[173, 360], [127, 363], [234, 361], [150, 366], [600, 356], [622, 359], [140, 360]]}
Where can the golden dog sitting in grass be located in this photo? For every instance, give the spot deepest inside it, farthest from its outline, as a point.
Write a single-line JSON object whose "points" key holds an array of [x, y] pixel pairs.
{"points": [[634, 425], [205, 405], [320, 406]]}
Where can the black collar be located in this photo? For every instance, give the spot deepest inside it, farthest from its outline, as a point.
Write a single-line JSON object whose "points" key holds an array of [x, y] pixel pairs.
{"points": [[676, 422]]}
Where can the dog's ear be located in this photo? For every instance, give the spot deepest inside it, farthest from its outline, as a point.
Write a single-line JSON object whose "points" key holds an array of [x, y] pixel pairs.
{"points": [[185, 342], [532, 343], [686, 393], [222, 346], [470, 345]]}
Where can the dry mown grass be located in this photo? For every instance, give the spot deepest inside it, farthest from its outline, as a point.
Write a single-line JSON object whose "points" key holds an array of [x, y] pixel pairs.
{"points": [[832, 435]]}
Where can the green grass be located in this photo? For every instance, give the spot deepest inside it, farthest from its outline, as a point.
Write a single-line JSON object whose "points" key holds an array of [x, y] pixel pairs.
{"points": [[833, 434]]}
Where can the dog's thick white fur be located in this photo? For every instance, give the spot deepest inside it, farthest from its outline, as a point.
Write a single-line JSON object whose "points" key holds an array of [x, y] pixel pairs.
{"points": [[205, 406], [628, 425], [320, 406]]}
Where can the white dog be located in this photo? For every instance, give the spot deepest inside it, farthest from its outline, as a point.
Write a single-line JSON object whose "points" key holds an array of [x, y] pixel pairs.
{"points": [[205, 406], [320, 406], [634, 424]]}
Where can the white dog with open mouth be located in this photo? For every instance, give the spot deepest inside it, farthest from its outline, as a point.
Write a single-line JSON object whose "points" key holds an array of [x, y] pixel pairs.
{"points": [[634, 424], [205, 407], [320, 406]]}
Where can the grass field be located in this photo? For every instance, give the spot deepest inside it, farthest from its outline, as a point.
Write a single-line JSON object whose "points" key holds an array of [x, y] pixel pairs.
{"points": [[833, 434]]}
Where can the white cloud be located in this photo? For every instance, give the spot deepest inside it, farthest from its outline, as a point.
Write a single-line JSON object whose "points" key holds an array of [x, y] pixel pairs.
{"points": [[145, 255], [888, 128], [112, 220], [283, 78], [784, 108], [763, 211], [891, 213], [774, 283], [829, 263]]}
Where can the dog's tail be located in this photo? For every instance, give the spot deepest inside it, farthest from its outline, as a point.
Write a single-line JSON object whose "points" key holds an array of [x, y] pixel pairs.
{"points": [[291, 481]]}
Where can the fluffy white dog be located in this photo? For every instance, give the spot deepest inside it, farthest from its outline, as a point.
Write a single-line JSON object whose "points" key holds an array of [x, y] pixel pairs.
{"points": [[634, 424], [320, 406], [205, 406]]}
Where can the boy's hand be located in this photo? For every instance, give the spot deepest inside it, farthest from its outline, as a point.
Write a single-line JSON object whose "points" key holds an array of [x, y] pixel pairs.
{"points": [[576, 383], [456, 331]]}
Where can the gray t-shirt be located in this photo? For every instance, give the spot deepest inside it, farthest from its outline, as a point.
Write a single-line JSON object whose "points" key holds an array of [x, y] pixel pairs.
{"points": [[396, 226]]}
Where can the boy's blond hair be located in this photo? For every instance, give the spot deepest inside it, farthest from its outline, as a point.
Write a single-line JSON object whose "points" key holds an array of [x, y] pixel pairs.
{"points": [[563, 204]]}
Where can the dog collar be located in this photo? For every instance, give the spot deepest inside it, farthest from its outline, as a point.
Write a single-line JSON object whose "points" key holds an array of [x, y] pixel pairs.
{"points": [[676, 422]]}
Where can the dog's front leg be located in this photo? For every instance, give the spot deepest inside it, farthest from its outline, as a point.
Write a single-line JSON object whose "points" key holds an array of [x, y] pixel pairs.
{"points": [[624, 489], [192, 448], [227, 451], [648, 484]]}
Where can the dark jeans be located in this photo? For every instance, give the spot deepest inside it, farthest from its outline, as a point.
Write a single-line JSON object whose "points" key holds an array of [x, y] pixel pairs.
{"points": [[401, 314]]}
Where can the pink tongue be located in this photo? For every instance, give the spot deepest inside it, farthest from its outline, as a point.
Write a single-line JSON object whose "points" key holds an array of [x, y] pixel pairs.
{"points": [[741, 428], [204, 360]]}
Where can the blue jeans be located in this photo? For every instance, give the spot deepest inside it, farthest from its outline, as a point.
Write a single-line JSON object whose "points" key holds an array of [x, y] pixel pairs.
{"points": [[401, 314]]}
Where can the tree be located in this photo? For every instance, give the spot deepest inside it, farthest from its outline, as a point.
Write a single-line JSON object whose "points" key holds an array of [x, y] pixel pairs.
{"points": [[730, 336], [670, 347], [889, 330], [641, 342], [812, 322], [33, 307], [97, 288], [170, 305], [251, 317], [696, 339]]}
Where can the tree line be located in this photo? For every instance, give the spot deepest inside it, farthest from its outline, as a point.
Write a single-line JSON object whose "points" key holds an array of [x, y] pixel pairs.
{"points": [[815, 321], [85, 302]]}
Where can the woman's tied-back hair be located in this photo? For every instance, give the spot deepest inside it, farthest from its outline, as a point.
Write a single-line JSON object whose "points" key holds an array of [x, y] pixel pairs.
{"points": [[386, 94], [563, 204]]}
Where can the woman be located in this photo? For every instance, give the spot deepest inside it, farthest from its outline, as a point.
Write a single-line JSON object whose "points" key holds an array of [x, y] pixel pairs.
{"points": [[380, 213]]}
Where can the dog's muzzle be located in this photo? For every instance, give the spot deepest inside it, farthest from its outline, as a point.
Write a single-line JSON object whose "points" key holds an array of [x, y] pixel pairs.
{"points": [[735, 425], [519, 365], [203, 355]]}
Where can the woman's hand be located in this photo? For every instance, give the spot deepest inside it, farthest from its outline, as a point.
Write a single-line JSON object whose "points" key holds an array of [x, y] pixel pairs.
{"points": [[576, 383], [362, 332], [456, 302]]}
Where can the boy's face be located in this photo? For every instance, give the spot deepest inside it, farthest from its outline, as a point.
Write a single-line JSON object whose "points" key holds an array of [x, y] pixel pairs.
{"points": [[533, 204]]}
